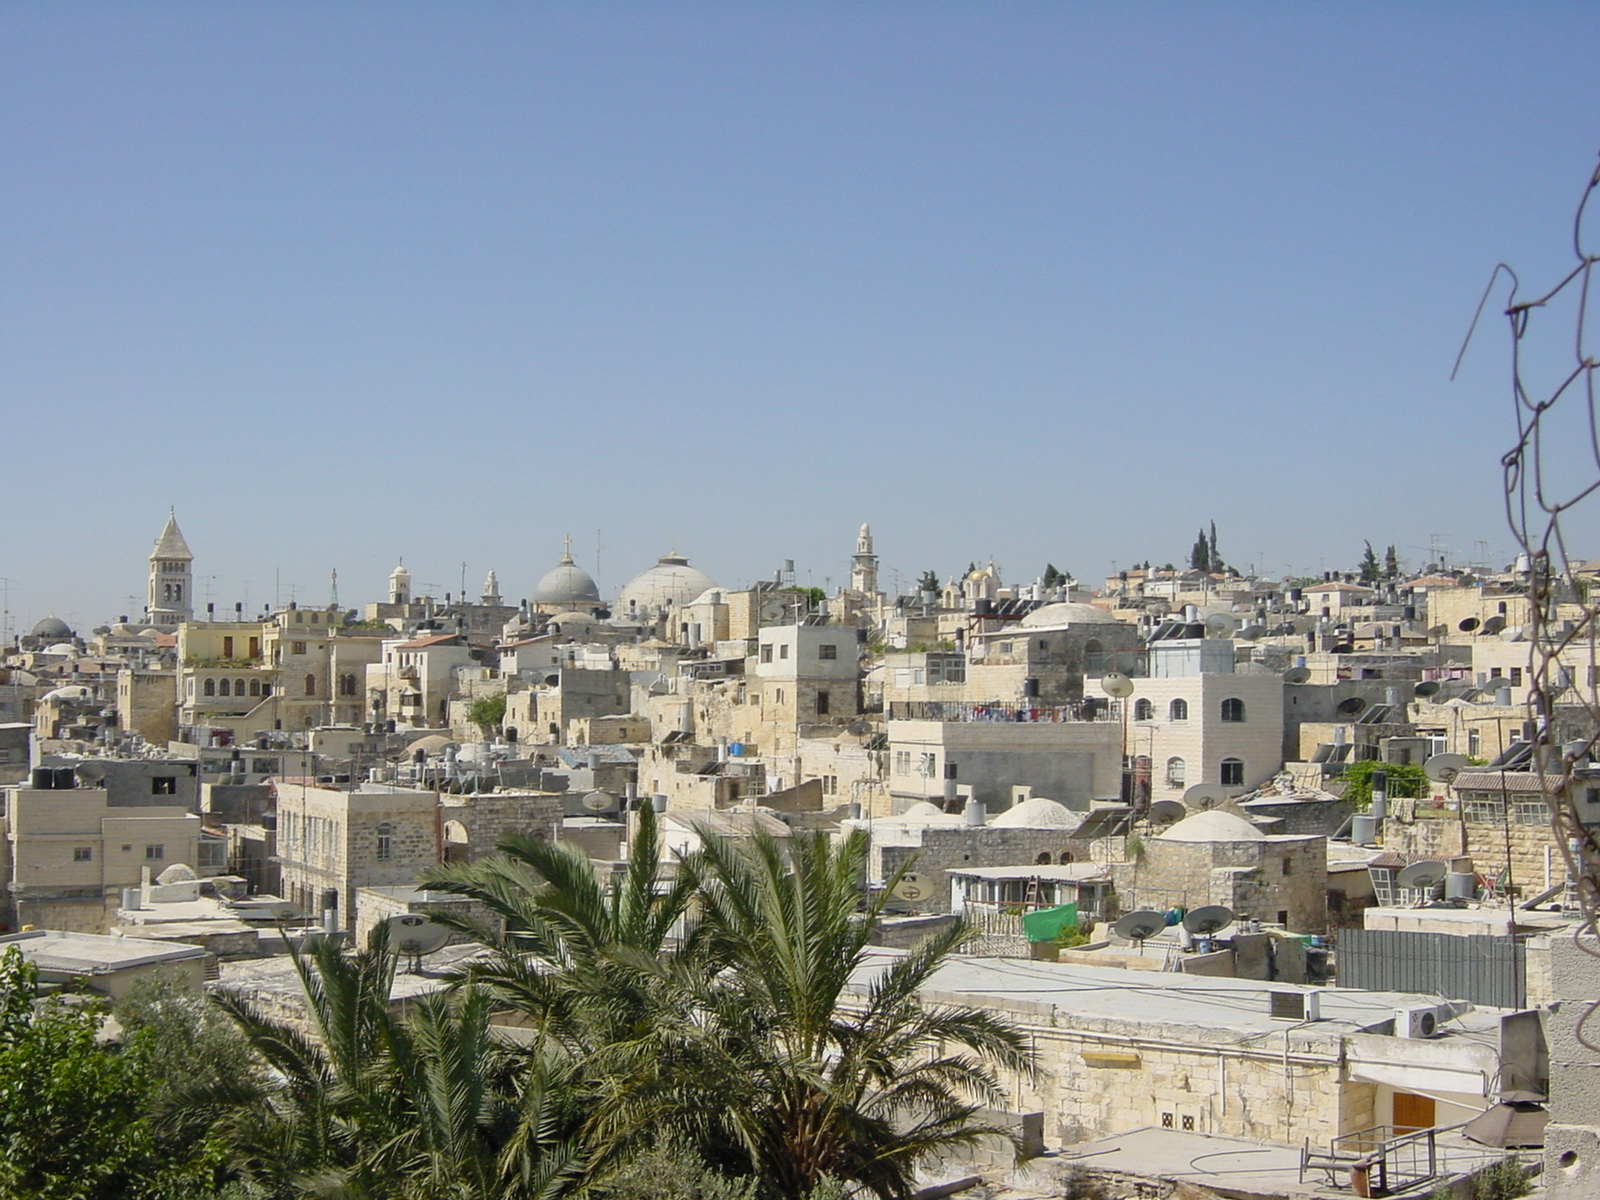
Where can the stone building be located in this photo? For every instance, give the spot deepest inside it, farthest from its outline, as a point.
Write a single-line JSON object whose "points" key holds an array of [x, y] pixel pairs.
{"points": [[1047, 654], [171, 589], [803, 676], [1215, 857], [1058, 752], [333, 841]]}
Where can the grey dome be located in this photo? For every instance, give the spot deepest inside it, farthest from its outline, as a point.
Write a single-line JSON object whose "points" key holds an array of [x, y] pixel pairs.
{"points": [[52, 627], [1065, 613], [671, 583], [566, 583]]}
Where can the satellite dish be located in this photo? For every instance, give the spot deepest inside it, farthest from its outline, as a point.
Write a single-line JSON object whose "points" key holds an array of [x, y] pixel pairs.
{"points": [[1350, 706], [1205, 795], [1422, 876], [1206, 920], [1427, 687], [1137, 926], [1220, 625], [858, 728], [1165, 812], [912, 888], [1343, 648], [1443, 768], [1438, 631], [91, 774], [414, 934], [283, 910], [1251, 632], [1494, 625], [1117, 685], [599, 801], [1467, 624], [1517, 633], [1297, 675]]}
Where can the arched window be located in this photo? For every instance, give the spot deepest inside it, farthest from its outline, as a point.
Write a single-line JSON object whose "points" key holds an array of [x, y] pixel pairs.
{"points": [[1044, 858], [177, 591], [1066, 857], [211, 687], [1233, 709], [238, 687], [1232, 772], [255, 687], [1143, 710], [311, 685], [385, 843], [1178, 710], [1094, 656], [1177, 772], [223, 687]]}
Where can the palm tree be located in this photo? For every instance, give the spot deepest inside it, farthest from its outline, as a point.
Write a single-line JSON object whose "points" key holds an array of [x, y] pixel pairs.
{"points": [[429, 1108], [828, 1065]]}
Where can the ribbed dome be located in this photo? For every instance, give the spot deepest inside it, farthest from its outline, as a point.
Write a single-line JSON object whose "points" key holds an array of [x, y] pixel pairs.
{"points": [[567, 583], [52, 627], [1213, 825], [1068, 614], [671, 583], [1038, 812]]}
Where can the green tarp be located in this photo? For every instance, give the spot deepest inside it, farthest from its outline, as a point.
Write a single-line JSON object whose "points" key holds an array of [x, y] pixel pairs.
{"points": [[1047, 924]]}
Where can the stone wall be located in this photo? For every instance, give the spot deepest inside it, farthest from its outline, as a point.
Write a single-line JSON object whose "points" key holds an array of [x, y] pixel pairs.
{"points": [[946, 848]]}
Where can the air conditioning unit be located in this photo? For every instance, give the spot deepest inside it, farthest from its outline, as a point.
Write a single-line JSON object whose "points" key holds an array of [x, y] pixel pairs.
{"points": [[1296, 1006], [1420, 1021]]}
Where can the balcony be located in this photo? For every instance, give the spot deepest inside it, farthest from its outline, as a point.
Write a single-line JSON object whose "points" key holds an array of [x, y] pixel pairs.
{"points": [[966, 711]]}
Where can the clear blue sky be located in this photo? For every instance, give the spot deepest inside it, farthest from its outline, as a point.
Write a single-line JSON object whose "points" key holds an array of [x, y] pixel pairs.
{"points": [[1042, 282]]}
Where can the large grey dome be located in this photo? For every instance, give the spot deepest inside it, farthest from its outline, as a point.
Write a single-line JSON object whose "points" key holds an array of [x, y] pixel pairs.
{"points": [[671, 583], [567, 583], [53, 628]]}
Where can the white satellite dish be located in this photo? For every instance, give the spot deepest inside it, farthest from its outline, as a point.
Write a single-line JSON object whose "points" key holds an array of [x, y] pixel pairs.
{"points": [[1443, 768], [1137, 926], [414, 934], [1165, 812], [913, 888], [1220, 625], [1297, 675], [1205, 795], [1422, 876], [1251, 633], [599, 801], [1207, 919], [1116, 685]]}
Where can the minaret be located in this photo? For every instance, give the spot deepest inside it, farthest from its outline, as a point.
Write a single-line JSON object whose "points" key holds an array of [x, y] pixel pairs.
{"points": [[171, 595], [400, 584], [491, 591], [864, 566]]}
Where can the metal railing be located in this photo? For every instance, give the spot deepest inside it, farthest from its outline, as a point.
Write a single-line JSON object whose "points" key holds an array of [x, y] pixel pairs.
{"points": [[960, 710], [1379, 1161]]}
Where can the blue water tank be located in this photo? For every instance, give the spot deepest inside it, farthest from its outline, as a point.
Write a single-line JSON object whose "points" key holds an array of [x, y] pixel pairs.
{"points": [[736, 749]]}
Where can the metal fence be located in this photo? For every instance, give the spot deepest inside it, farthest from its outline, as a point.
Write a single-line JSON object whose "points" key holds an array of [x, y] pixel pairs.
{"points": [[1481, 969]]}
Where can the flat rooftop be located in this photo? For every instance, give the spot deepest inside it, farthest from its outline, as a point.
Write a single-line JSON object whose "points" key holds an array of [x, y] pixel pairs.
{"points": [[1192, 1008], [94, 953]]}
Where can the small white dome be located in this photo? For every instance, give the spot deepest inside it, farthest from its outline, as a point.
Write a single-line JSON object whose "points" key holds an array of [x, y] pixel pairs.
{"points": [[1038, 812], [1213, 825], [925, 812], [1068, 614], [61, 648], [177, 873]]}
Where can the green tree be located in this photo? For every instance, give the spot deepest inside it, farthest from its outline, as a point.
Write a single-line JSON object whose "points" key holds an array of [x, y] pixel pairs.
{"points": [[1369, 566], [813, 1088], [1213, 557], [487, 712], [1052, 577], [1391, 564], [1200, 554], [1401, 780], [929, 582]]}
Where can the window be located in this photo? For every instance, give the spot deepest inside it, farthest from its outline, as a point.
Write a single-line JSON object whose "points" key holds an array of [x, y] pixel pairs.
{"points": [[157, 851], [1005, 647], [255, 647], [227, 647], [1233, 709], [163, 785], [224, 688], [828, 653], [902, 762], [297, 647], [210, 688], [1178, 710], [314, 618], [1475, 741], [255, 687], [777, 697], [783, 650], [766, 652], [1232, 772], [1043, 859], [1482, 810], [1143, 710], [1516, 676], [385, 843], [1528, 811], [1288, 866], [823, 702], [83, 854], [266, 689], [1044, 644], [1177, 772], [311, 685]]}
